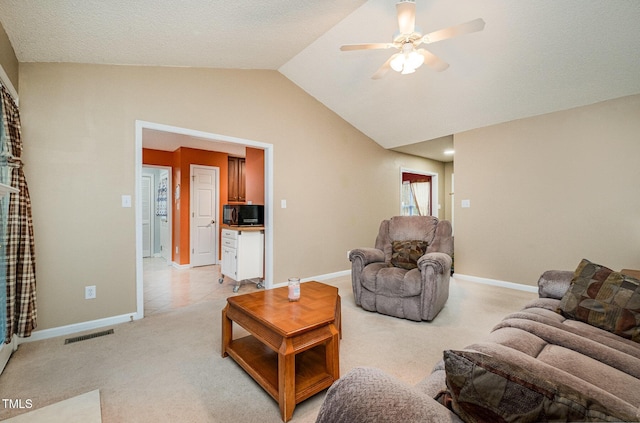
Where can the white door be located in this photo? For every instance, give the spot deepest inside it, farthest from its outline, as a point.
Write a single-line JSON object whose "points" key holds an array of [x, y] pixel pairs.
{"points": [[147, 232], [204, 198]]}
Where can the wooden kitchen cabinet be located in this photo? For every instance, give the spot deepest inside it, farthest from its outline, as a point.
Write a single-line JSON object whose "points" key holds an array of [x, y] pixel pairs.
{"points": [[237, 186]]}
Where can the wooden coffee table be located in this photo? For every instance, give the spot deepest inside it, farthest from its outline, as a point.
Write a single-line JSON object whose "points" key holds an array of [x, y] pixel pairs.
{"points": [[293, 347]]}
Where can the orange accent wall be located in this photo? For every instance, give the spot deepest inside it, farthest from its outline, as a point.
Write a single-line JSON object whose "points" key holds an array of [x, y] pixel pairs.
{"points": [[254, 174], [157, 157], [187, 157]]}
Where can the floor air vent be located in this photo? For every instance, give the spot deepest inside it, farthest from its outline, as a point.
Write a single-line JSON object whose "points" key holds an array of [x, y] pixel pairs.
{"points": [[89, 336]]}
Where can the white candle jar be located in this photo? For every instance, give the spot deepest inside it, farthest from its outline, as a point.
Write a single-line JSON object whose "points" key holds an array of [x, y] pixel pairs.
{"points": [[294, 289]]}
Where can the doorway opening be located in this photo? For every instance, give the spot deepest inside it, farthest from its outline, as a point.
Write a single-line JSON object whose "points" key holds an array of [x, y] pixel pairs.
{"points": [[418, 193], [211, 139], [157, 218]]}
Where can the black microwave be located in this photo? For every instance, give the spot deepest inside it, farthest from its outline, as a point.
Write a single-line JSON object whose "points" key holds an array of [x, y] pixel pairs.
{"points": [[243, 214]]}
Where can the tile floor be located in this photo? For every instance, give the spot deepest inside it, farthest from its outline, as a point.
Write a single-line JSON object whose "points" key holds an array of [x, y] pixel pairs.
{"points": [[167, 288]]}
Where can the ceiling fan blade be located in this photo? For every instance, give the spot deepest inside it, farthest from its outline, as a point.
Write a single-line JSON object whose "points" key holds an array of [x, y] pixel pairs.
{"points": [[382, 71], [370, 46], [433, 61], [453, 31], [406, 16]]}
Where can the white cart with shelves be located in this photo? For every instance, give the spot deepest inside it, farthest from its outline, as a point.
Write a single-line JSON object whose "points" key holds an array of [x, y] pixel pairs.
{"points": [[243, 255]]}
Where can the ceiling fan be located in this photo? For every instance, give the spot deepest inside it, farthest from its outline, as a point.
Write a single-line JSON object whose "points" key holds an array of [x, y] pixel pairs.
{"points": [[408, 38]]}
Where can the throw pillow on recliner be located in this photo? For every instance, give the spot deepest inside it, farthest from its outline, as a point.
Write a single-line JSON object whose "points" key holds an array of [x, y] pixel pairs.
{"points": [[405, 254], [605, 299]]}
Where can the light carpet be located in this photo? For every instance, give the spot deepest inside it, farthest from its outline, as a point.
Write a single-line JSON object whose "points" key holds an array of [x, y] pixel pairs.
{"points": [[168, 367]]}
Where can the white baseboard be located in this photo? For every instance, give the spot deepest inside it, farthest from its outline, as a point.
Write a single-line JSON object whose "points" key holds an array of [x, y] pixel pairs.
{"points": [[78, 327], [494, 282]]}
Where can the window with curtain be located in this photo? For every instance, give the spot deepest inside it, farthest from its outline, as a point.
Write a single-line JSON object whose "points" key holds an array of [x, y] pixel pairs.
{"points": [[416, 194], [18, 246], [4, 210]]}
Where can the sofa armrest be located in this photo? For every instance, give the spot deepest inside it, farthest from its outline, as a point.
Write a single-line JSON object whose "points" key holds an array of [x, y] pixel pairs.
{"points": [[366, 255], [441, 262], [434, 385], [366, 395], [554, 283]]}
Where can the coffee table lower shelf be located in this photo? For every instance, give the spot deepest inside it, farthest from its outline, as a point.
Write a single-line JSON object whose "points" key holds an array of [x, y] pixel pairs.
{"points": [[261, 362]]}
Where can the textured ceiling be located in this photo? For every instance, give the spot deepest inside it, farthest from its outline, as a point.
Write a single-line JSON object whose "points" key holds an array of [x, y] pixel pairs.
{"points": [[533, 57], [246, 34]]}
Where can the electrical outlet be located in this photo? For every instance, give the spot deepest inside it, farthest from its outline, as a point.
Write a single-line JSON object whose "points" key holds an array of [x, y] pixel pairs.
{"points": [[89, 292]]}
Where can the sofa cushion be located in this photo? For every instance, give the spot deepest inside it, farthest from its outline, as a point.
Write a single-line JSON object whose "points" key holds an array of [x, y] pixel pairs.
{"points": [[405, 254], [605, 299], [508, 385], [581, 356], [543, 310]]}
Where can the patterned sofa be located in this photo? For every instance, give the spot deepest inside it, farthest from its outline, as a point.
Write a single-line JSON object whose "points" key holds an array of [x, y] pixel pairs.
{"points": [[573, 354]]}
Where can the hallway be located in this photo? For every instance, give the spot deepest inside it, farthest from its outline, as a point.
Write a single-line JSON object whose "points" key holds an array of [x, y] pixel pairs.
{"points": [[167, 288]]}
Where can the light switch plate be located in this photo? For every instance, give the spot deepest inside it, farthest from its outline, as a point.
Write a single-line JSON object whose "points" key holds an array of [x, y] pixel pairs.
{"points": [[465, 204], [126, 201]]}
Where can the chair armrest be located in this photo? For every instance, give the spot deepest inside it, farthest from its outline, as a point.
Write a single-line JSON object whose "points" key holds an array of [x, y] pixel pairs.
{"points": [[435, 272], [367, 395], [554, 283], [441, 262], [360, 257], [366, 255]]}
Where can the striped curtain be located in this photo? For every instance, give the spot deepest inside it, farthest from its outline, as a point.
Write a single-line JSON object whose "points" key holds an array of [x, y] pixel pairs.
{"points": [[20, 246]]}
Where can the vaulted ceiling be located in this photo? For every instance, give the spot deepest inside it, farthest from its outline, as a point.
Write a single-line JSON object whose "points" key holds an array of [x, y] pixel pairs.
{"points": [[533, 57]]}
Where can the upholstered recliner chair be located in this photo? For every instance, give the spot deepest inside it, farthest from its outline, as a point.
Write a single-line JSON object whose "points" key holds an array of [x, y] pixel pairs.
{"points": [[407, 274]]}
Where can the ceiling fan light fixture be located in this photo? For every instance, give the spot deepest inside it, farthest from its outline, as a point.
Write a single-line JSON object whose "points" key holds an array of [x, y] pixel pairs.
{"points": [[407, 61], [407, 70], [397, 62], [408, 39], [415, 59]]}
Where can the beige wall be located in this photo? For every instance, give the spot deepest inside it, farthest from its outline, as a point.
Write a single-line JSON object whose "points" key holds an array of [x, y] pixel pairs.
{"points": [[78, 128], [548, 191], [545, 191], [8, 59]]}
